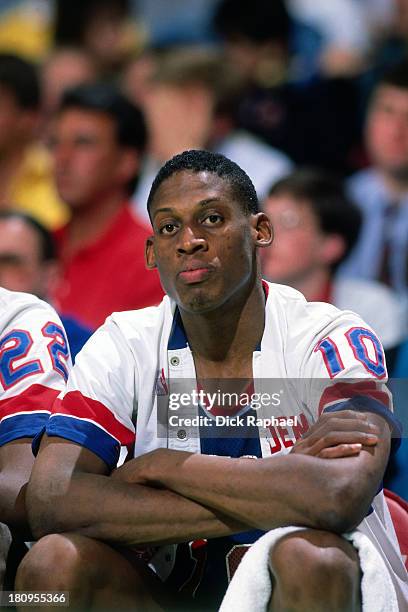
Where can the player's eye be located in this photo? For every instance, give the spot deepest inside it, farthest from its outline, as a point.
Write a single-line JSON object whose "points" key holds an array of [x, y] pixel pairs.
{"points": [[168, 228], [213, 219]]}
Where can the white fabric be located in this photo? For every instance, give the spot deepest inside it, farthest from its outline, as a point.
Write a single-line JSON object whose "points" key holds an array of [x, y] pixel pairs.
{"points": [[251, 589]]}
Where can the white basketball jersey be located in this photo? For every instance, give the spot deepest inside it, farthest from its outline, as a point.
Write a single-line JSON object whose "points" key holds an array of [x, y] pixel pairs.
{"points": [[34, 363]]}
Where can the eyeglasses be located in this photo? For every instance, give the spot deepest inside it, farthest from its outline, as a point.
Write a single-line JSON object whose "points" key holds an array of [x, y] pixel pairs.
{"points": [[287, 220]]}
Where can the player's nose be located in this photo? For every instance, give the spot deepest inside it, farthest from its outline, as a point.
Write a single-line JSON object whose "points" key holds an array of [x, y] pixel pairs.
{"points": [[190, 241]]}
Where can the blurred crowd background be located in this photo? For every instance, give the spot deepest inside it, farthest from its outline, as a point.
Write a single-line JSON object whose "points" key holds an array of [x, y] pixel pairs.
{"points": [[310, 97]]}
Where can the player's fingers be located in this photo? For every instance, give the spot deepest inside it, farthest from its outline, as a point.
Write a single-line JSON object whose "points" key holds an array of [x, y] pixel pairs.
{"points": [[316, 444], [339, 451], [328, 417], [323, 428], [345, 414], [334, 438]]}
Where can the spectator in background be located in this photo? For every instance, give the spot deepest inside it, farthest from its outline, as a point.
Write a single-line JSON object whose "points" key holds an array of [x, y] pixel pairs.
{"points": [[186, 104], [313, 122], [26, 27], [381, 190], [25, 173], [64, 68], [179, 22], [28, 264], [315, 227], [97, 140], [104, 28], [343, 33]]}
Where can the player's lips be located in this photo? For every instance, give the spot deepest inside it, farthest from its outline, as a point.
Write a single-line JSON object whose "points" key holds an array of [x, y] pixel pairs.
{"points": [[195, 272]]}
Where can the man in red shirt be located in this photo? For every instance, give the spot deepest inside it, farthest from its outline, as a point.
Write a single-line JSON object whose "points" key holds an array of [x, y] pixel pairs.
{"points": [[97, 140]]}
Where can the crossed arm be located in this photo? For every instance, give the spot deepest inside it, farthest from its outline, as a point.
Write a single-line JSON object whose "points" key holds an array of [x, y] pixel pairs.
{"points": [[16, 460], [172, 496]]}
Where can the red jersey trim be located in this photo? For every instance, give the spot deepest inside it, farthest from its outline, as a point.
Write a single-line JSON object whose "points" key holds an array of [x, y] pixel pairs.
{"points": [[36, 398], [343, 391], [74, 404]]}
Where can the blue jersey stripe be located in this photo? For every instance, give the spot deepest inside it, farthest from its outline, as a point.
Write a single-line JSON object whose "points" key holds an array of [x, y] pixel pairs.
{"points": [[22, 426], [84, 433], [178, 338]]}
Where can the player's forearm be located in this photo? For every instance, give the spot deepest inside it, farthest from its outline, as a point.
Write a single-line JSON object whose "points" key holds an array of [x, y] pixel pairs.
{"points": [[12, 502], [16, 460], [129, 514], [273, 492]]}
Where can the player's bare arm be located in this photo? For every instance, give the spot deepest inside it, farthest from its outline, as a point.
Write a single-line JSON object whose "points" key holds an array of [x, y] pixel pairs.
{"points": [[16, 460], [274, 492], [71, 490]]}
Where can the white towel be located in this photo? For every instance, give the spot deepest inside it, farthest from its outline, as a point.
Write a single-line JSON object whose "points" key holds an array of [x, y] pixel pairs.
{"points": [[250, 588]]}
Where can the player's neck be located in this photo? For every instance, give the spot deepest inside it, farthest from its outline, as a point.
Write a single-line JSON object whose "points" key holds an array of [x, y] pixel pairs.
{"points": [[223, 340]]}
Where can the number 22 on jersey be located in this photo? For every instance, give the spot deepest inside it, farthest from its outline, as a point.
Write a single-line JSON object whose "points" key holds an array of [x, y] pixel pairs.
{"points": [[17, 344]]}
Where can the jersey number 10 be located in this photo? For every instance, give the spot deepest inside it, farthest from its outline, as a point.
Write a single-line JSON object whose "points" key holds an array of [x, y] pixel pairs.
{"points": [[357, 338]]}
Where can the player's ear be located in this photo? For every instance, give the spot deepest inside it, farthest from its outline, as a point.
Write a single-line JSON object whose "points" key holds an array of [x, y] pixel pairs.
{"points": [[262, 229], [150, 257]]}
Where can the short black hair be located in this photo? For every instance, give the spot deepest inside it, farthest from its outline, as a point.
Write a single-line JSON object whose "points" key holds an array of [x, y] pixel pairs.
{"points": [[105, 98], [47, 245], [73, 18], [325, 194], [396, 76], [206, 161], [256, 20], [20, 78]]}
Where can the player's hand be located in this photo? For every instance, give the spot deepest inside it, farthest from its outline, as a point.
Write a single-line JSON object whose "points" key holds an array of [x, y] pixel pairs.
{"points": [[338, 434]]}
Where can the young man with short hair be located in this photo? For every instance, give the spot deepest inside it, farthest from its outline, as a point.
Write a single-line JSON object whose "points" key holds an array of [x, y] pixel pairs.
{"points": [[97, 139], [191, 480], [28, 263]]}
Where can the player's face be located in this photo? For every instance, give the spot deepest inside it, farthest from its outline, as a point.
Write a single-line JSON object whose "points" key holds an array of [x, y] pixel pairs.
{"points": [[89, 163], [204, 245], [387, 130], [21, 267], [297, 247]]}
